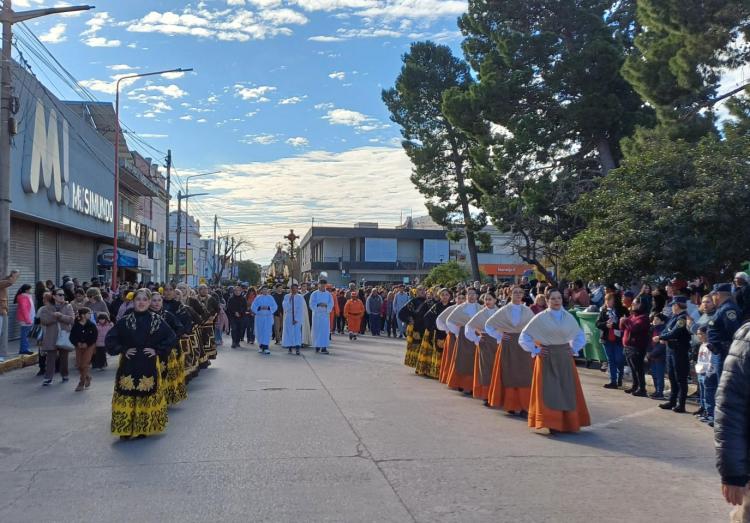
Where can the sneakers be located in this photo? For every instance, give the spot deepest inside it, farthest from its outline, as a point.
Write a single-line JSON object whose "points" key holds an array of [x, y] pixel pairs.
{"points": [[657, 396], [65, 379], [260, 351], [699, 413], [46, 383], [266, 351], [679, 409], [610, 386], [666, 406], [317, 350], [297, 352], [324, 351], [640, 394]]}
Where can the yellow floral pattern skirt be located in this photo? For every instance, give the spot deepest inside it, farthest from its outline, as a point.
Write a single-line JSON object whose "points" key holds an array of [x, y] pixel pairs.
{"points": [[424, 357], [174, 385], [140, 415], [413, 342]]}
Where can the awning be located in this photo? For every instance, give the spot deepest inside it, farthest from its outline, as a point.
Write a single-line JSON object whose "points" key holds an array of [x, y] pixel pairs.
{"points": [[505, 269]]}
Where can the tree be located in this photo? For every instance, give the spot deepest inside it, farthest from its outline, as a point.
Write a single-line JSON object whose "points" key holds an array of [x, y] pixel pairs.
{"points": [[676, 208], [228, 249], [680, 56], [447, 275], [550, 85], [249, 271], [439, 152]]}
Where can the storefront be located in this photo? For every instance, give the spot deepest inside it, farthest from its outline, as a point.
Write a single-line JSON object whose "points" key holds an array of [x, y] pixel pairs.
{"points": [[62, 187], [506, 272]]}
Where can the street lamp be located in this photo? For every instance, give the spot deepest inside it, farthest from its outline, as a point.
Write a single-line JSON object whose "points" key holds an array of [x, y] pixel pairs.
{"points": [[187, 195], [8, 17], [181, 197], [117, 162]]}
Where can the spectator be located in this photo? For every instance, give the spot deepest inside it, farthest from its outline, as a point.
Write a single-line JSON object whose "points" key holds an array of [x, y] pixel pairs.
{"points": [[5, 282], [83, 336], [742, 294], [400, 299], [611, 336], [540, 304], [103, 325], [126, 305], [249, 316], [25, 315], [96, 303], [372, 306], [647, 300], [56, 315], [236, 308], [579, 296], [704, 369], [659, 300], [732, 431], [657, 356], [635, 339]]}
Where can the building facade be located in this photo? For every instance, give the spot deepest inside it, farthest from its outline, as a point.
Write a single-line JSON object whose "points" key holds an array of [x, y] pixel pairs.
{"points": [[367, 253], [193, 257]]}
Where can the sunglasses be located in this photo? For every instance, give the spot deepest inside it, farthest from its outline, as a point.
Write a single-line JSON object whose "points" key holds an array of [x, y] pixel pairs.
{"points": [[60, 294]]}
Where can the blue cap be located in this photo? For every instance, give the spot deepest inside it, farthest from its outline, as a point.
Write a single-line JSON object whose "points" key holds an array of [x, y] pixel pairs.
{"points": [[723, 287], [678, 299]]}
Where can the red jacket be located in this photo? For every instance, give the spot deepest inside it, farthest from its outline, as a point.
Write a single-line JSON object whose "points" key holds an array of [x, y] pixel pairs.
{"points": [[635, 332]]}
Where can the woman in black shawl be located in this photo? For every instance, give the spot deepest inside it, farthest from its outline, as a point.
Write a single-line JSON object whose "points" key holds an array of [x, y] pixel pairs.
{"points": [[140, 338]]}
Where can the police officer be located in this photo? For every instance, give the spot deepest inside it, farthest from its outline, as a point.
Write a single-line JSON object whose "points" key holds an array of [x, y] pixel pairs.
{"points": [[678, 337], [721, 328]]}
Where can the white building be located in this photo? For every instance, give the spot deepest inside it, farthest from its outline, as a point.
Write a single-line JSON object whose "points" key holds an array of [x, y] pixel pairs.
{"points": [[192, 256]]}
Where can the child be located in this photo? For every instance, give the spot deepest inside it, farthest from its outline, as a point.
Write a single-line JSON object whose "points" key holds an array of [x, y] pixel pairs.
{"points": [[657, 356], [103, 325], [83, 336], [704, 370]]}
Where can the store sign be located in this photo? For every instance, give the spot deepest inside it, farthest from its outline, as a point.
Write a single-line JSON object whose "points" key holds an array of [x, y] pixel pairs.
{"points": [[49, 169], [125, 258]]}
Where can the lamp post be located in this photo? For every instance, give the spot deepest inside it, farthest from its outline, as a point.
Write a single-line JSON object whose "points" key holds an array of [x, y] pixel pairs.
{"points": [[8, 17], [178, 231], [117, 162], [187, 221]]}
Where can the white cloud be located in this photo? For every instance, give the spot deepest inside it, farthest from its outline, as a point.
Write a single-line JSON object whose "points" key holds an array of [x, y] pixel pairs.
{"points": [[260, 139], [174, 75], [333, 5], [337, 75], [298, 141], [256, 94], [187, 117], [55, 35], [233, 24], [293, 100], [152, 135], [171, 91], [251, 113], [201, 120], [325, 105], [359, 121], [99, 41], [122, 67], [107, 86], [323, 38], [337, 179]]}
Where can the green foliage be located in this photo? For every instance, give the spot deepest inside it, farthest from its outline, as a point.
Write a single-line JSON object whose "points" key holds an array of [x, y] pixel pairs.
{"points": [[249, 271], [678, 59], [447, 275], [438, 151], [678, 208]]}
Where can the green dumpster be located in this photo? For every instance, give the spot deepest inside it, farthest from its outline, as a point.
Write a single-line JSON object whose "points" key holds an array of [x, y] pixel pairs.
{"points": [[593, 351]]}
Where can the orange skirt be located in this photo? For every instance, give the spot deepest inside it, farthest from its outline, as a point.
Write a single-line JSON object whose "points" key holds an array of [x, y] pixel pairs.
{"points": [[447, 358], [461, 373], [540, 416], [514, 399], [478, 391]]}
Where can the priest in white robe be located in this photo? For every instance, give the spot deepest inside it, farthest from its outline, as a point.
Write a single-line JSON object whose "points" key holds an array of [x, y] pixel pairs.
{"points": [[321, 305], [264, 306], [294, 316]]}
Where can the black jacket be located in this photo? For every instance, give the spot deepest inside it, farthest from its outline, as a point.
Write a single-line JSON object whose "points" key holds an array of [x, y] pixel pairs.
{"points": [[732, 430], [86, 333], [235, 305]]}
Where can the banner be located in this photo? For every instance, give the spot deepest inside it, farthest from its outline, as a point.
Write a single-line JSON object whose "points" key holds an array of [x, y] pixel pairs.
{"points": [[186, 259]]}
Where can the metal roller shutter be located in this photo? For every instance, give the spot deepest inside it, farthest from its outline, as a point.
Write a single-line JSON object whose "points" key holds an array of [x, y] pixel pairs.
{"points": [[76, 256], [23, 259], [48, 254]]}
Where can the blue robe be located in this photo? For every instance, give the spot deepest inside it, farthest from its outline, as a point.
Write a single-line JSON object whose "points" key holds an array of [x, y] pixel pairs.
{"points": [[321, 305], [263, 307], [294, 310]]}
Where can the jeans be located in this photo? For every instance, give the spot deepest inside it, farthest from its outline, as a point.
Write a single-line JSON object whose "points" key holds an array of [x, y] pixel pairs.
{"points": [[615, 359], [391, 325], [237, 326], [365, 323], [24, 338], [657, 374], [710, 384], [702, 391], [218, 338], [249, 329], [401, 328], [340, 323], [374, 324]]}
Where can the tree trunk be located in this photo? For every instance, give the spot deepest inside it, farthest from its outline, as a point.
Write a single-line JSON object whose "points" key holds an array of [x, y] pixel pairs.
{"points": [[605, 156], [470, 238]]}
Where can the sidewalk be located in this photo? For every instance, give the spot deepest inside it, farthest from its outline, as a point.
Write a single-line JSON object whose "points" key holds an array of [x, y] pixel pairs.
{"points": [[16, 361]]}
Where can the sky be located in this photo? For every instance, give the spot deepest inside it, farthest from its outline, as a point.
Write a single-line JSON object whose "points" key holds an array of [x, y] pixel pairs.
{"points": [[284, 100]]}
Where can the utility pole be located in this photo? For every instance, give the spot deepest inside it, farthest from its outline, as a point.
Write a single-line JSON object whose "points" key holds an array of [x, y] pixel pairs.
{"points": [[169, 197], [8, 17], [215, 250], [177, 238], [231, 273]]}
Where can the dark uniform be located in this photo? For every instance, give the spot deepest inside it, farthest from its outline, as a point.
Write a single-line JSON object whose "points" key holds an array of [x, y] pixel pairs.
{"points": [[678, 337], [721, 329]]}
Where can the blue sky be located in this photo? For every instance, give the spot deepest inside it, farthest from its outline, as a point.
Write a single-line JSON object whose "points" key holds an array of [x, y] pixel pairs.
{"points": [[285, 99]]}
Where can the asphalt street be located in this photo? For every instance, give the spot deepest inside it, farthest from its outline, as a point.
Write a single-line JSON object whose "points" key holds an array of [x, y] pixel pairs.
{"points": [[351, 437]]}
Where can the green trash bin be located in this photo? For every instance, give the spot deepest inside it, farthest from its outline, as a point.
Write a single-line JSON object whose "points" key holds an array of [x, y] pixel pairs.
{"points": [[594, 350]]}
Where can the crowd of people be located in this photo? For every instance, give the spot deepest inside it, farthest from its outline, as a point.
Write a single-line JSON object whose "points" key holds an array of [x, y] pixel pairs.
{"points": [[513, 346]]}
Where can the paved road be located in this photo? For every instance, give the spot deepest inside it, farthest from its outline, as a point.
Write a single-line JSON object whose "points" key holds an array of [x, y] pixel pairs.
{"points": [[353, 437]]}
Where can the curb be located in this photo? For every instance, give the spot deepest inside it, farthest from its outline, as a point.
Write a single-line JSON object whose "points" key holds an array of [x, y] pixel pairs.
{"points": [[18, 362]]}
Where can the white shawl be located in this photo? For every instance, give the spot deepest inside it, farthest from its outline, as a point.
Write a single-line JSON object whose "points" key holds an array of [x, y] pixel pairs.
{"points": [[475, 326], [502, 321], [461, 316], [545, 329]]}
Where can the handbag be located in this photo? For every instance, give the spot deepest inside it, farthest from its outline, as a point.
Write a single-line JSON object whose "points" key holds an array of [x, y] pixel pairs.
{"points": [[35, 331], [63, 339]]}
